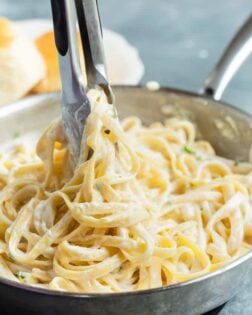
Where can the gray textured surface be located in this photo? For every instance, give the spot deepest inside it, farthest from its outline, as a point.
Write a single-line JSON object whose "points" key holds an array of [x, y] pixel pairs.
{"points": [[179, 42]]}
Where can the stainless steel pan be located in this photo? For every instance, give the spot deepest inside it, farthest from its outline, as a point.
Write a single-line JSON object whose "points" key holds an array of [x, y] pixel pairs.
{"points": [[227, 128]]}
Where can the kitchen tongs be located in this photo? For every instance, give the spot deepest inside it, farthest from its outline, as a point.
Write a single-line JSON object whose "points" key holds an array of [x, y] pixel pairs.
{"points": [[75, 105]]}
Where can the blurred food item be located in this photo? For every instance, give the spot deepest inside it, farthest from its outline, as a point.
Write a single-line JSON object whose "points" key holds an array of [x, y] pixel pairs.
{"points": [[21, 65], [123, 61], [51, 81], [29, 64], [124, 65]]}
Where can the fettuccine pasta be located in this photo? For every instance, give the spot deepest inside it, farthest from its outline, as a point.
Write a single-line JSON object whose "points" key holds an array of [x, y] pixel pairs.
{"points": [[145, 207]]}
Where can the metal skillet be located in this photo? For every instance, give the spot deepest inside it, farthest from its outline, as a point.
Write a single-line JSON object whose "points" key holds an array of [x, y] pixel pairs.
{"points": [[192, 297]]}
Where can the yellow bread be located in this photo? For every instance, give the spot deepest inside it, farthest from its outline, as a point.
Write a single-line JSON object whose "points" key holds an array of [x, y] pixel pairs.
{"points": [[46, 46], [21, 64]]}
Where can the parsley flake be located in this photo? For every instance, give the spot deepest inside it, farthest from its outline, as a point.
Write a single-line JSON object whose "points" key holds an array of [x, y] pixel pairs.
{"points": [[16, 135], [20, 275], [11, 257], [116, 146], [188, 150], [99, 186], [119, 269]]}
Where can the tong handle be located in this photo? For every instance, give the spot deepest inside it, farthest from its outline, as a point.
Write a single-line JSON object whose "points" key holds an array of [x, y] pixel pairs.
{"points": [[64, 20], [92, 43], [60, 31], [75, 105]]}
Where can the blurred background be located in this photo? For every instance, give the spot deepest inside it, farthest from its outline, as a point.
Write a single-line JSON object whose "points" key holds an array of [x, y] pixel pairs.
{"points": [[178, 41]]}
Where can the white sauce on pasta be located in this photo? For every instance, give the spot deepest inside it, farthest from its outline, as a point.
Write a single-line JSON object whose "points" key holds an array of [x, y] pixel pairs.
{"points": [[145, 207]]}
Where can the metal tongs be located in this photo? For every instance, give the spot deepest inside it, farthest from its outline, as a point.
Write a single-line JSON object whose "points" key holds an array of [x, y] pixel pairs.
{"points": [[75, 105]]}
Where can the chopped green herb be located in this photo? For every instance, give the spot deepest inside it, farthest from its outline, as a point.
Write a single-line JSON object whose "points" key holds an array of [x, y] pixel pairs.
{"points": [[16, 135], [236, 163], [107, 131], [180, 113], [116, 146], [20, 275], [99, 186], [187, 150], [199, 158], [120, 269], [11, 257]]}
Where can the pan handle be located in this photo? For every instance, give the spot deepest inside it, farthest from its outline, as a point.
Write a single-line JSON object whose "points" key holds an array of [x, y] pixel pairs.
{"points": [[233, 57]]}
